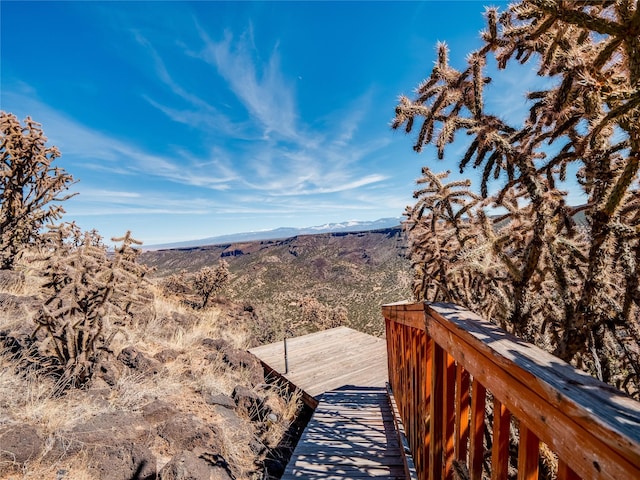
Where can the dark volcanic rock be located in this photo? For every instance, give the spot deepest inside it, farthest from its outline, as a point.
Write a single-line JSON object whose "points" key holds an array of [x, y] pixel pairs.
{"points": [[158, 411], [187, 466], [108, 370], [136, 360], [220, 399], [186, 432], [235, 358], [230, 419], [123, 462], [216, 344], [249, 401], [110, 428], [19, 443], [245, 397], [166, 355]]}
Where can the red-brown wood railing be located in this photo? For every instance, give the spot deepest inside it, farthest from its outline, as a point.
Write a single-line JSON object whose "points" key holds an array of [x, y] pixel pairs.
{"points": [[446, 364]]}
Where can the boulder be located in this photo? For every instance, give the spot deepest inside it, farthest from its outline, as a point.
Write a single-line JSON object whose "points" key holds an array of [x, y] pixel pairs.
{"points": [[188, 466], [19, 443], [219, 399], [109, 428], [187, 432], [158, 411], [249, 401], [108, 370], [229, 419], [122, 462], [166, 355], [215, 343], [235, 358], [136, 360]]}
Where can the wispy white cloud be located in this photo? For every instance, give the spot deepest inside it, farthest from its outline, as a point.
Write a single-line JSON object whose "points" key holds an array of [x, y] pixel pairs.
{"points": [[291, 158], [117, 195], [309, 188], [96, 201], [96, 150], [261, 87], [200, 113], [288, 169]]}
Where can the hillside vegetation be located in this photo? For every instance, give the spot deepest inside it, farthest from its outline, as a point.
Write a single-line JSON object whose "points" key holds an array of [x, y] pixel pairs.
{"points": [[290, 282], [175, 389], [109, 373]]}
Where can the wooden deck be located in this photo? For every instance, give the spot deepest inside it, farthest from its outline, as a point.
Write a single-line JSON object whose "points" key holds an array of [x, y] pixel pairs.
{"points": [[324, 361], [343, 374], [350, 436]]}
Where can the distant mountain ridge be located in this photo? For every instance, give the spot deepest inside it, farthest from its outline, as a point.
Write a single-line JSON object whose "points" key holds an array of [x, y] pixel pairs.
{"points": [[355, 271], [284, 232]]}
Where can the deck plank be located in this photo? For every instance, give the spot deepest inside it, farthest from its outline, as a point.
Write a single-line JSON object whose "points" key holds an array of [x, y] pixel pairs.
{"points": [[350, 436], [323, 361], [352, 432]]}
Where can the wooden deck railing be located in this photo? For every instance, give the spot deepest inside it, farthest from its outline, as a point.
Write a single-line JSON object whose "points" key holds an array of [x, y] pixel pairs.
{"points": [[446, 365]]}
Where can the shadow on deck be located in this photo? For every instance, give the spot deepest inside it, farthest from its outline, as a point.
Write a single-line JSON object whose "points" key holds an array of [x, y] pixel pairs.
{"points": [[351, 435], [342, 373]]}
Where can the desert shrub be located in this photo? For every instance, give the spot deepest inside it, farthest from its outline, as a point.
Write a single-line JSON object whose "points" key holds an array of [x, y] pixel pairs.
{"points": [[265, 329], [513, 250], [209, 281], [176, 284], [318, 315], [86, 295], [132, 296], [30, 185]]}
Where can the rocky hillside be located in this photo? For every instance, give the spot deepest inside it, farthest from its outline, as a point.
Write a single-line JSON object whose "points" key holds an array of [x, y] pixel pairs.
{"points": [[352, 272], [175, 396]]}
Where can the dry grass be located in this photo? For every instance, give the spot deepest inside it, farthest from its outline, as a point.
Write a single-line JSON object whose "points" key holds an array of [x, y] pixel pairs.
{"points": [[33, 398], [68, 468]]}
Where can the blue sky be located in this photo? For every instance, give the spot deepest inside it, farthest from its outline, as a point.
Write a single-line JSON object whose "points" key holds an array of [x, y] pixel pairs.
{"points": [[189, 120]]}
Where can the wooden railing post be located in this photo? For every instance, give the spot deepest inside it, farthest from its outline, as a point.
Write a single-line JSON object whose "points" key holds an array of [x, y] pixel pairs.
{"points": [[528, 454], [443, 363], [436, 430], [462, 414], [500, 447], [448, 415], [565, 472], [476, 442], [427, 419]]}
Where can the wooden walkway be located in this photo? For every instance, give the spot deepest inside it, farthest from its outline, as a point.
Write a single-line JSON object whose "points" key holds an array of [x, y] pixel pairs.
{"points": [[351, 433], [327, 360], [350, 436]]}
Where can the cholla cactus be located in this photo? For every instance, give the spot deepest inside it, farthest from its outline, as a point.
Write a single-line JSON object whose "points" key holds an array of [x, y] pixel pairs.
{"points": [[317, 315], [131, 295], [572, 289], [80, 282], [176, 284], [29, 183], [209, 281], [87, 295]]}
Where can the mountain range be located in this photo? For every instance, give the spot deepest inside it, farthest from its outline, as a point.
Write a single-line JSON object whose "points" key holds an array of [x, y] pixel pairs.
{"points": [[284, 232], [351, 271]]}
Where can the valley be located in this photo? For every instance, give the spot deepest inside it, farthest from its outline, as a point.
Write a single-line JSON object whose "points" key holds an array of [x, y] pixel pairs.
{"points": [[355, 272]]}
